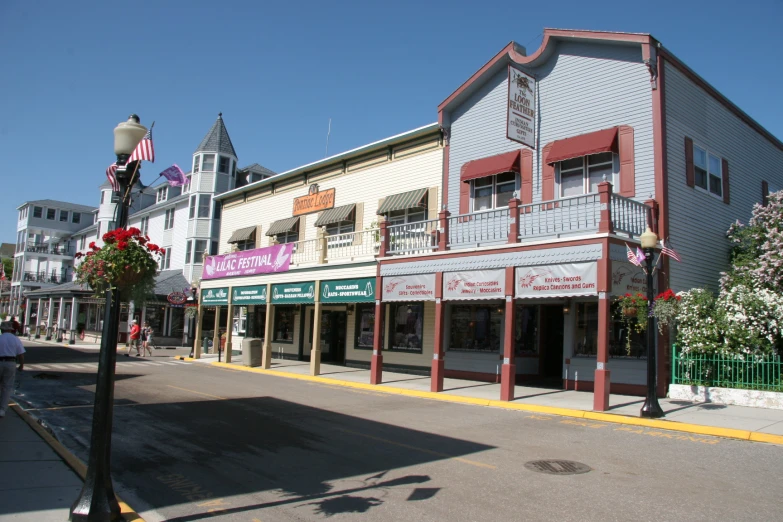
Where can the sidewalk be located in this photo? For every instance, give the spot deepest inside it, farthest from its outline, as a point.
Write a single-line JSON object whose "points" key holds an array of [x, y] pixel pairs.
{"points": [[40, 478], [88, 344], [738, 422]]}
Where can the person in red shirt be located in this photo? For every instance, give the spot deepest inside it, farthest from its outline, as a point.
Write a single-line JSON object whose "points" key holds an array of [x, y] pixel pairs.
{"points": [[135, 338]]}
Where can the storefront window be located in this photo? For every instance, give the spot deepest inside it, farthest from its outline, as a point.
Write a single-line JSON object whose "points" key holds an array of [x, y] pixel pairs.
{"points": [[406, 326], [476, 327], [154, 316], [365, 326], [586, 332], [256, 322], [284, 324], [177, 322], [526, 330]]}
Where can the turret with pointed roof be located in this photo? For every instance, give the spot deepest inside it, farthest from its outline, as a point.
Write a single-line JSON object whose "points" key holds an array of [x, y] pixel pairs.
{"points": [[217, 139]]}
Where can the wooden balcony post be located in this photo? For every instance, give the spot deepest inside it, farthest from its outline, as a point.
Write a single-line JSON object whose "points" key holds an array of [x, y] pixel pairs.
{"points": [[443, 230], [605, 197], [322, 246], [438, 352], [652, 214], [384, 249], [513, 220], [376, 363]]}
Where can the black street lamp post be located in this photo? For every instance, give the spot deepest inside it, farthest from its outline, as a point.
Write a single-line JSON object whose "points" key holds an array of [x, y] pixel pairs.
{"points": [[97, 502], [651, 408]]}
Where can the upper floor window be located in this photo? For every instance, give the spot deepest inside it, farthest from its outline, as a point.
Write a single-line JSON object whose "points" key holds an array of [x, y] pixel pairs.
{"points": [[225, 165], [208, 163], [168, 222], [94, 218], [247, 244], [144, 225], [199, 246], [76, 218], [186, 186], [103, 196], [407, 215], [115, 197], [343, 227], [493, 191], [99, 229], [165, 261], [582, 175], [64, 216], [707, 171], [82, 242], [188, 248], [216, 212], [192, 213], [162, 194], [50, 213], [196, 163], [204, 202], [37, 212]]}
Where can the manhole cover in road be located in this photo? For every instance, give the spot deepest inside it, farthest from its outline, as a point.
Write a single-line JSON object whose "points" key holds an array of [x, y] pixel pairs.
{"points": [[558, 467], [74, 402]]}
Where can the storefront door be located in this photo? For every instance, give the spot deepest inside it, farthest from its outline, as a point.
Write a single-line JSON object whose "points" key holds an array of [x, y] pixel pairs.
{"points": [[333, 335], [552, 342]]}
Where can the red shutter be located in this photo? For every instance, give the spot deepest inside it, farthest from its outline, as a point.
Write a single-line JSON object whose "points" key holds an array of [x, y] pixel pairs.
{"points": [[690, 175], [464, 197], [526, 177], [725, 174], [625, 146], [764, 192], [547, 176]]}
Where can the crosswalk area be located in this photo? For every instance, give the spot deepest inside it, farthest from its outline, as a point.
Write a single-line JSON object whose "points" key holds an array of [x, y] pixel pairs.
{"points": [[122, 363]]}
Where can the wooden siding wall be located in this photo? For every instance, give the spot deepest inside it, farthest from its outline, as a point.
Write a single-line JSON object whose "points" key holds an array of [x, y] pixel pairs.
{"points": [[698, 221], [582, 88]]}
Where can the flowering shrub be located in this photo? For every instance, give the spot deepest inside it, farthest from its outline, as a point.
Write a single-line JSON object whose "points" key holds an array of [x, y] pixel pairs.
{"points": [[700, 322], [665, 308], [127, 262], [633, 312]]}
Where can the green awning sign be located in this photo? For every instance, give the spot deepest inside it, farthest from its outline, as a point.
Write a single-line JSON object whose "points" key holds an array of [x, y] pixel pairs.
{"points": [[348, 291], [293, 293], [214, 296], [248, 295]]}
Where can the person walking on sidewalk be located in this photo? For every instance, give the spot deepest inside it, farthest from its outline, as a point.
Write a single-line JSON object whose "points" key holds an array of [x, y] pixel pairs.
{"points": [[135, 337], [146, 339], [11, 351]]}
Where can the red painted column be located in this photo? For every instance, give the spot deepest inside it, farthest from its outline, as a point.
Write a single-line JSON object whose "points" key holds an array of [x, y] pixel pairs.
{"points": [[438, 363], [508, 372], [513, 227], [443, 232], [384, 246], [602, 375], [605, 226], [376, 364]]}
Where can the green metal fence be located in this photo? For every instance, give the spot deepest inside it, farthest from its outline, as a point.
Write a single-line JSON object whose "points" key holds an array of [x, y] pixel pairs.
{"points": [[725, 371]]}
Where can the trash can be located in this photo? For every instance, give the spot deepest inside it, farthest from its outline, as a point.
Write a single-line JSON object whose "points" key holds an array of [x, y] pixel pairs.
{"points": [[252, 349]]}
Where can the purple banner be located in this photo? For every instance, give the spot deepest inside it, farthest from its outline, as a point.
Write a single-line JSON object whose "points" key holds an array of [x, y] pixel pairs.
{"points": [[265, 260]]}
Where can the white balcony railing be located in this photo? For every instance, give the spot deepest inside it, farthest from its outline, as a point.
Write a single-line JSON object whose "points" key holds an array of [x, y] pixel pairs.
{"points": [[560, 216], [413, 238], [352, 245], [629, 216], [305, 252], [487, 226]]}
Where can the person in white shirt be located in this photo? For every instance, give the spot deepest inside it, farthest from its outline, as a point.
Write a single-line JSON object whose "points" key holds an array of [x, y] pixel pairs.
{"points": [[11, 351]]}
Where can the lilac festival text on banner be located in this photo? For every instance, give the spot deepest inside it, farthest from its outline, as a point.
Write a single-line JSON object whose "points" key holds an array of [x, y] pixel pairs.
{"points": [[267, 260]]}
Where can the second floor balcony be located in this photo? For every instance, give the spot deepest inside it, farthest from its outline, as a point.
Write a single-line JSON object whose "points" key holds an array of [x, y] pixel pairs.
{"points": [[49, 278], [43, 248]]}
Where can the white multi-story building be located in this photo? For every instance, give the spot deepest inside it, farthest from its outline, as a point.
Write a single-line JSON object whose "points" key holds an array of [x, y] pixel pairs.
{"points": [[183, 220]]}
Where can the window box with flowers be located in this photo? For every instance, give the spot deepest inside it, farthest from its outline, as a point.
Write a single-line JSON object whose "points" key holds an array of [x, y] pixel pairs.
{"points": [[633, 312], [128, 263]]}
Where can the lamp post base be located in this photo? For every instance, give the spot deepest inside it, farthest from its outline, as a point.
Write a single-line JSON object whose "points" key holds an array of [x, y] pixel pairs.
{"points": [[651, 409]]}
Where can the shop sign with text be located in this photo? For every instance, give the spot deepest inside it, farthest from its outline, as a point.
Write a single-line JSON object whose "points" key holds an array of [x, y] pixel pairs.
{"points": [[293, 293], [521, 110], [348, 291], [628, 279], [566, 280], [409, 288], [214, 296], [314, 201], [245, 295], [267, 260], [474, 284]]}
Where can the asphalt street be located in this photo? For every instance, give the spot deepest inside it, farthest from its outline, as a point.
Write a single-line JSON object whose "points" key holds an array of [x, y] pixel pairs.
{"points": [[194, 442]]}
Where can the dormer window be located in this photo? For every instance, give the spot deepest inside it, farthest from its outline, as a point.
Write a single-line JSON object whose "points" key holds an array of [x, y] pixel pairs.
{"points": [[162, 194]]}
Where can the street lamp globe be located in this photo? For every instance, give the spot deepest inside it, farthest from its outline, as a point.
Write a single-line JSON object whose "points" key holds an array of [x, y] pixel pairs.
{"points": [[127, 136], [649, 239]]}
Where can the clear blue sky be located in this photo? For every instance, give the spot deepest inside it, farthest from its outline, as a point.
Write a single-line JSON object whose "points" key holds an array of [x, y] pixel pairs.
{"points": [[70, 71]]}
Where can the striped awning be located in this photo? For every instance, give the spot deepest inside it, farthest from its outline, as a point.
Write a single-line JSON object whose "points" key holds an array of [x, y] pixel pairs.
{"points": [[281, 226], [243, 234], [335, 215], [414, 198]]}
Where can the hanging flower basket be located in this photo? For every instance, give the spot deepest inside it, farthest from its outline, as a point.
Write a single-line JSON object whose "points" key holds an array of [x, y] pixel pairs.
{"points": [[633, 313], [127, 263], [630, 311], [665, 309]]}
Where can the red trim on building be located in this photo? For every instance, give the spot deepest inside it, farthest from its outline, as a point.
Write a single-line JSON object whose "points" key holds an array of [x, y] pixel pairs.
{"points": [[444, 197], [583, 145], [526, 176], [725, 175], [625, 149], [484, 167], [547, 175]]}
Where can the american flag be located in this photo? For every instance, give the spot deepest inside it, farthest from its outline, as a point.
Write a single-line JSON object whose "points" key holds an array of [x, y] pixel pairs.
{"points": [[110, 173], [668, 251], [631, 256], [144, 150]]}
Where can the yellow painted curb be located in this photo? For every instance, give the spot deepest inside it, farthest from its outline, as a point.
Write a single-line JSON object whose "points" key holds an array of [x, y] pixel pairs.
{"points": [[614, 418], [183, 358], [71, 460]]}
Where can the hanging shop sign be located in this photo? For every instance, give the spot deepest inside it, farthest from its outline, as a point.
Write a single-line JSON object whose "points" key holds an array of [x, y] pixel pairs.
{"points": [[314, 201], [628, 279], [247, 295], [293, 293], [474, 284], [521, 110], [566, 280], [409, 288], [348, 291], [176, 298], [265, 260], [214, 296]]}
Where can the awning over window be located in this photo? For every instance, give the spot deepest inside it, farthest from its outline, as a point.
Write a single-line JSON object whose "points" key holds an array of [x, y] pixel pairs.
{"points": [[243, 234], [335, 215], [281, 226], [583, 145], [405, 200], [481, 168]]}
